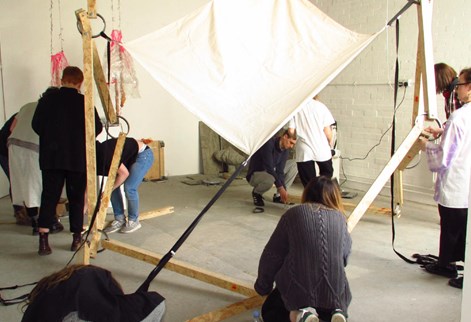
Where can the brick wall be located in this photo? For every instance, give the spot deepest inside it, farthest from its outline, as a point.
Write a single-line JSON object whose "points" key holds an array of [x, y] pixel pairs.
{"points": [[361, 97]]}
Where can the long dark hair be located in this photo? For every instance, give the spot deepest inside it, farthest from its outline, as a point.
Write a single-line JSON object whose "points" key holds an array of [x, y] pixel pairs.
{"points": [[325, 191]]}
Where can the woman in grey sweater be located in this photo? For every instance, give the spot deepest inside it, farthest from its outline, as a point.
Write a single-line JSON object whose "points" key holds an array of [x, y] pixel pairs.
{"points": [[306, 258]]}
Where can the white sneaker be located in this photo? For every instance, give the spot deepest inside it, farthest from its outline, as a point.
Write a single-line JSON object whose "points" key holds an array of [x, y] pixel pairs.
{"points": [[131, 226], [338, 317], [114, 226], [308, 314]]}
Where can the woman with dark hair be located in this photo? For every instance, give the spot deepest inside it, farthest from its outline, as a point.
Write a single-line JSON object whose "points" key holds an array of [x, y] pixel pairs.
{"points": [[89, 293], [306, 258]]}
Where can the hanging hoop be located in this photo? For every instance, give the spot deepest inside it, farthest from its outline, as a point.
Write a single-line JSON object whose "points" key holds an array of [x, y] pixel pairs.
{"points": [[107, 126], [79, 27]]}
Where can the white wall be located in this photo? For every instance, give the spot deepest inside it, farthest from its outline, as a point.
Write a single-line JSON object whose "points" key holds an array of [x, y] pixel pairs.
{"points": [[361, 98], [25, 38]]}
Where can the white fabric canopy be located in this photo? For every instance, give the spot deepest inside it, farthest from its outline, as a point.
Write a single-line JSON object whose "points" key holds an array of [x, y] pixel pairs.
{"points": [[243, 67]]}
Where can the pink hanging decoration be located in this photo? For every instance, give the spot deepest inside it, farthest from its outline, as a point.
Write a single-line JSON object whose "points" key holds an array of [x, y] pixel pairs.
{"points": [[58, 63], [123, 80]]}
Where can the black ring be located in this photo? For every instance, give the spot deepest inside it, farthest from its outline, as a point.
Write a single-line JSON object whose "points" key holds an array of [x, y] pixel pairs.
{"points": [[98, 34], [107, 126]]}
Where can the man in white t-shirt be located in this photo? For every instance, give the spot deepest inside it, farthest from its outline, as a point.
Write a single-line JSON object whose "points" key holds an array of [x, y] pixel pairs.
{"points": [[313, 127]]}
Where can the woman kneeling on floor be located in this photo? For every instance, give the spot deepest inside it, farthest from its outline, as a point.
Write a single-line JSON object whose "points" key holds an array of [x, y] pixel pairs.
{"points": [[306, 258], [89, 293]]}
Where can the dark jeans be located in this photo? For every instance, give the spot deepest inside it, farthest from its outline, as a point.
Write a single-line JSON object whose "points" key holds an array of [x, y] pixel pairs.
{"points": [[452, 234], [53, 183], [307, 170], [274, 310]]}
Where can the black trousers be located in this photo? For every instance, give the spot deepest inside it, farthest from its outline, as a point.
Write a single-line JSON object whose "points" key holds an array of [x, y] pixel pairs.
{"points": [[452, 234], [53, 183], [274, 310], [307, 170]]}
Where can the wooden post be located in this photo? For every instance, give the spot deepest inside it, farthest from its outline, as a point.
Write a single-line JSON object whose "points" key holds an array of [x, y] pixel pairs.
{"points": [[89, 110], [105, 199], [103, 90], [424, 91]]}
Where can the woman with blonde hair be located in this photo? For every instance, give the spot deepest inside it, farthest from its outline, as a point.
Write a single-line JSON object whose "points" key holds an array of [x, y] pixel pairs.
{"points": [[306, 258]]}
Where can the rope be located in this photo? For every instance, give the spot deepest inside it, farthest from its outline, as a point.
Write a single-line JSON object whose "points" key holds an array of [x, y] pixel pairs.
{"points": [[145, 286]]}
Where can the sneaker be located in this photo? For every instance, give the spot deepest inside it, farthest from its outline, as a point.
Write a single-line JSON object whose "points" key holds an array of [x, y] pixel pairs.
{"points": [[257, 199], [114, 226], [131, 226], [456, 282], [277, 198], [447, 271], [338, 316], [307, 314]]}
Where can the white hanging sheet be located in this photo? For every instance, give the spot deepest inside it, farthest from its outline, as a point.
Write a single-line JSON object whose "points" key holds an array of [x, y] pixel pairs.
{"points": [[244, 67]]}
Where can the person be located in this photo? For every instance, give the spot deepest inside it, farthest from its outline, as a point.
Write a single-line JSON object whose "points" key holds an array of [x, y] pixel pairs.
{"points": [[18, 211], [269, 165], [445, 81], [25, 178], [313, 126], [59, 120], [136, 159], [306, 257], [450, 159], [89, 293]]}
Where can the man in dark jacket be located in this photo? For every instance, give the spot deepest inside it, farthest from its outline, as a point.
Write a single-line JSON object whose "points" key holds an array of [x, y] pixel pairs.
{"points": [[268, 166], [59, 121]]}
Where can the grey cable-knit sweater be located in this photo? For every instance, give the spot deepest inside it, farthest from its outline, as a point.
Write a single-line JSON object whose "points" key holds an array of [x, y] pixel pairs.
{"points": [[305, 257]]}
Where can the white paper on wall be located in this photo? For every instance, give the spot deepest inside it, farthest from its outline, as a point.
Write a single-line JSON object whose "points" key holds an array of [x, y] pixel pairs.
{"points": [[243, 67]]}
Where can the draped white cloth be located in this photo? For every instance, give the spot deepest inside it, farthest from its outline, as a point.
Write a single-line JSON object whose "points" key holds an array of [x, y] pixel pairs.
{"points": [[244, 67]]}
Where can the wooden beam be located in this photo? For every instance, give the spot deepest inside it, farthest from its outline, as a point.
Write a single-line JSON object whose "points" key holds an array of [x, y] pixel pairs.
{"points": [[231, 310], [350, 206], [91, 9], [103, 90], [383, 177], [155, 213], [105, 196], [181, 268], [89, 109]]}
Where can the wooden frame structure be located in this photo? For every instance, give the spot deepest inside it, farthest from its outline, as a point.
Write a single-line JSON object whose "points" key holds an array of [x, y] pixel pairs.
{"points": [[424, 102]]}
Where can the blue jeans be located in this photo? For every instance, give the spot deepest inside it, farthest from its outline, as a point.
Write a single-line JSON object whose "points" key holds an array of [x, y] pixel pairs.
{"points": [[137, 172]]}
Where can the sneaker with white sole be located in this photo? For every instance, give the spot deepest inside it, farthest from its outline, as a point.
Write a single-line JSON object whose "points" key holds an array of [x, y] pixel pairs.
{"points": [[338, 316], [114, 226], [308, 314], [131, 226]]}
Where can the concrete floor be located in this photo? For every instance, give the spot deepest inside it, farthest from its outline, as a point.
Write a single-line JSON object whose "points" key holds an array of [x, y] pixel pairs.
{"points": [[229, 240]]}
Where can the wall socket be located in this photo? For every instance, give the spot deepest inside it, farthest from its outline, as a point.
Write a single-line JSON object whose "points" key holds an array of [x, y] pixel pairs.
{"points": [[406, 83]]}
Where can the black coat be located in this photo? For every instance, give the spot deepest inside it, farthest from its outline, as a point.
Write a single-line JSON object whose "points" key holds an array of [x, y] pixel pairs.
{"points": [[59, 121]]}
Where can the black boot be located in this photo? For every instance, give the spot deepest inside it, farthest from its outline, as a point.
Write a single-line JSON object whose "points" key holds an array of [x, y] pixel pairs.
{"points": [[44, 248], [257, 199], [76, 241]]}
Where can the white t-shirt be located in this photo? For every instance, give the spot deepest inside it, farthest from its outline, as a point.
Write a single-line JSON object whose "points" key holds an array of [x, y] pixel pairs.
{"points": [[312, 144]]}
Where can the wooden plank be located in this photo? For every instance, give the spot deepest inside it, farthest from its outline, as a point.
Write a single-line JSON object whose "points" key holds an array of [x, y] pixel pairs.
{"points": [[383, 177], [89, 110], [349, 206], [180, 267], [231, 310], [398, 191], [103, 91], [105, 196], [155, 213], [91, 9]]}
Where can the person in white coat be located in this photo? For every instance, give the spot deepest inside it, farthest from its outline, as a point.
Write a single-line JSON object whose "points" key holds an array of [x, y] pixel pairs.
{"points": [[451, 160]]}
